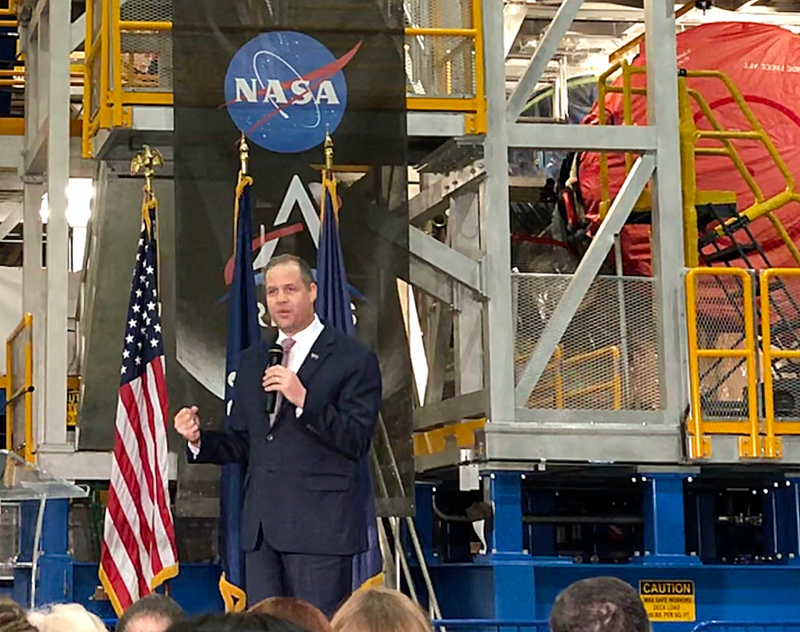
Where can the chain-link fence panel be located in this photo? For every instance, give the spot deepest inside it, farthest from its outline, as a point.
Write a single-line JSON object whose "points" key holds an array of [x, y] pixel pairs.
{"points": [[146, 61], [720, 308], [146, 54], [440, 66], [783, 294], [450, 14], [608, 357]]}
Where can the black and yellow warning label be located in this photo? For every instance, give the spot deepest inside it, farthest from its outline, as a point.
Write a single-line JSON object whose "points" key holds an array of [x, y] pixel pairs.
{"points": [[668, 600]]}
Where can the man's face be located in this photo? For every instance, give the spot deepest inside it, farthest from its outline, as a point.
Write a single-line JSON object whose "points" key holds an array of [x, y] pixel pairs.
{"points": [[148, 623], [289, 301]]}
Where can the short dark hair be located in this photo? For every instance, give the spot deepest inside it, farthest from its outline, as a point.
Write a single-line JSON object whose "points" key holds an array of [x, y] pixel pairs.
{"points": [[155, 605], [305, 270], [599, 604], [248, 622]]}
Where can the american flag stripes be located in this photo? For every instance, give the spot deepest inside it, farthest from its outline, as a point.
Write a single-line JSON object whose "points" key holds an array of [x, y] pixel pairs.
{"points": [[138, 549]]}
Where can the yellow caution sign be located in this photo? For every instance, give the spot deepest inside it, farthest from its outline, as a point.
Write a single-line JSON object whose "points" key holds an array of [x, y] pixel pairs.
{"points": [[73, 400], [668, 600]]}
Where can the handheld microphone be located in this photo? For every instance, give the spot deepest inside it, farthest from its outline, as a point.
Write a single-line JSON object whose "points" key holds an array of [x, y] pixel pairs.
{"points": [[8, 403], [274, 358]]}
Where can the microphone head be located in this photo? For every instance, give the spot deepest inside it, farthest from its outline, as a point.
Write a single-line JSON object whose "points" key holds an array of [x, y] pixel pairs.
{"points": [[275, 354]]}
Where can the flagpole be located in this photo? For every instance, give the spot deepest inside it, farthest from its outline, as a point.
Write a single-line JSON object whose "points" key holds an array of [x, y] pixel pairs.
{"points": [[327, 176], [146, 161], [244, 179]]}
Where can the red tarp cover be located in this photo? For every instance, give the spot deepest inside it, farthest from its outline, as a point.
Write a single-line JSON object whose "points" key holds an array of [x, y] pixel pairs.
{"points": [[764, 63]]}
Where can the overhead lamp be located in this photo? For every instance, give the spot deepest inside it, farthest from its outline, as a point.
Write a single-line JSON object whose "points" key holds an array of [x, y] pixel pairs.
{"points": [[80, 192]]}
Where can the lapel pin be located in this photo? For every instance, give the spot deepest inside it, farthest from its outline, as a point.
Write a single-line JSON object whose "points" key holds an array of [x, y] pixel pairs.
{"points": [[314, 356]]}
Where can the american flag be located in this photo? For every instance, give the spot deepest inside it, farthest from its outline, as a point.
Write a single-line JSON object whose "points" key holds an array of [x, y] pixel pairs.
{"points": [[138, 550]]}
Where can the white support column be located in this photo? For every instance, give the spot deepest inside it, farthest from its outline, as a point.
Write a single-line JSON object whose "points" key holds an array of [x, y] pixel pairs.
{"points": [[495, 219], [668, 261], [57, 18]]}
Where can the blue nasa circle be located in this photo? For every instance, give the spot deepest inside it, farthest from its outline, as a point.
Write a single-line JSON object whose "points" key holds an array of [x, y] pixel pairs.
{"points": [[283, 91]]}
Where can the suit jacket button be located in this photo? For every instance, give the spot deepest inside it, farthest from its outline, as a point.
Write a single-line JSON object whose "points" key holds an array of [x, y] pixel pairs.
{"points": [[270, 437]]}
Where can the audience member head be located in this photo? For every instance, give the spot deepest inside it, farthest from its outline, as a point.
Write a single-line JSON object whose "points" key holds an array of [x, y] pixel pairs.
{"points": [[250, 622], [66, 617], [599, 604], [153, 613], [380, 610], [14, 618], [294, 611]]}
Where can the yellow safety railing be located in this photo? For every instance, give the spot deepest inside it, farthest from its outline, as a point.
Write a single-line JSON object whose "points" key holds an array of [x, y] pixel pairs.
{"points": [[699, 428], [761, 206], [473, 105], [760, 433], [112, 82], [19, 380], [561, 395], [691, 149], [773, 428]]}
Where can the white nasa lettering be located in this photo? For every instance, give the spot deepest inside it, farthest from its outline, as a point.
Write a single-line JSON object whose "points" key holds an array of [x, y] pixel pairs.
{"points": [[248, 91], [302, 90], [274, 92], [328, 92]]}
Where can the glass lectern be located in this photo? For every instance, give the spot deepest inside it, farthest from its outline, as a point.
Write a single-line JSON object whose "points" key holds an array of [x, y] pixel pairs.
{"points": [[23, 481]]}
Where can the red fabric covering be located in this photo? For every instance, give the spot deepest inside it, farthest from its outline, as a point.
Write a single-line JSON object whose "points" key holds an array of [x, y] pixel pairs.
{"points": [[764, 63]]}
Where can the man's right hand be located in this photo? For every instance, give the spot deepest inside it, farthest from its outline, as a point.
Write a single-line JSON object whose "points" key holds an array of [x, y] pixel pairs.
{"points": [[187, 425]]}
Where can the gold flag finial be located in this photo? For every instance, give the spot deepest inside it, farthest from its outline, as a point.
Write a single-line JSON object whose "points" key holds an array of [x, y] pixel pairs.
{"points": [[244, 155], [146, 161], [328, 152]]}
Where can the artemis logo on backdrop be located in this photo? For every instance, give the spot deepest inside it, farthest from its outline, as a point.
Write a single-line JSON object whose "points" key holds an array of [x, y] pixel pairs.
{"points": [[284, 90]]}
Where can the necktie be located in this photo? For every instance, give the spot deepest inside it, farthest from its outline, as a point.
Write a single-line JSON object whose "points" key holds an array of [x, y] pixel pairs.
{"points": [[287, 345]]}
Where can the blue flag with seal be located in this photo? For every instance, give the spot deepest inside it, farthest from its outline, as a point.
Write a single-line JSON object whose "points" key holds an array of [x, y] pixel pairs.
{"points": [[243, 331], [333, 308]]}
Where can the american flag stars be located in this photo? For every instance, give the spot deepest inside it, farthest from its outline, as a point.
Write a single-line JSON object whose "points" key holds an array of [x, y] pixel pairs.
{"points": [[143, 340]]}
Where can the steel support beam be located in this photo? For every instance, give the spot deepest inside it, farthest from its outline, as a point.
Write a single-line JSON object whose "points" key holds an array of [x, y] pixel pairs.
{"points": [[423, 276], [10, 222], [547, 47], [668, 260], [460, 267], [514, 15], [472, 405], [584, 276], [495, 223], [583, 137], [434, 200], [56, 362]]}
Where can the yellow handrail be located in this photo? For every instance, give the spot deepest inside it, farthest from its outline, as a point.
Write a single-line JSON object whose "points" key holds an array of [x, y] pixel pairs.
{"points": [[27, 448], [690, 137], [697, 427]]}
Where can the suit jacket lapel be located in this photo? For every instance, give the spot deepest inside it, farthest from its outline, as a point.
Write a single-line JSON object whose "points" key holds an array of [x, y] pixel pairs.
{"points": [[319, 352]]}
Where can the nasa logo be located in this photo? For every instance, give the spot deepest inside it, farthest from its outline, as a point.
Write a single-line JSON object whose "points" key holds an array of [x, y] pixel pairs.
{"points": [[284, 90]]}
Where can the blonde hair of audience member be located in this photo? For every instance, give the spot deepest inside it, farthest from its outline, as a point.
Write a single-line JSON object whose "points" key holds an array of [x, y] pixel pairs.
{"points": [[296, 611], [380, 610], [13, 617], [68, 617]]}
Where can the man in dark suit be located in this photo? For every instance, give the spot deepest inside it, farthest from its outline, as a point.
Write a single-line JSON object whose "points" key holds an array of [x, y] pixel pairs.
{"points": [[304, 517]]}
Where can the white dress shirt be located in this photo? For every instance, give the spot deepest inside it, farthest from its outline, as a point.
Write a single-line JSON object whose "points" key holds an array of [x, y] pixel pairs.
{"points": [[303, 341]]}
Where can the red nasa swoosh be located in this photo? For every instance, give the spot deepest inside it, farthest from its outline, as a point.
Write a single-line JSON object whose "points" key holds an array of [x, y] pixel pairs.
{"points": [[313, 78], [260, 241]]}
